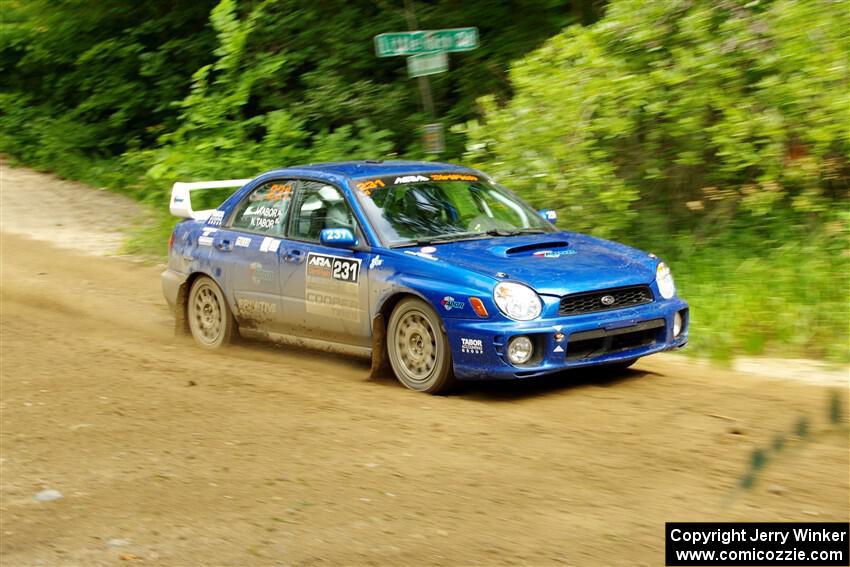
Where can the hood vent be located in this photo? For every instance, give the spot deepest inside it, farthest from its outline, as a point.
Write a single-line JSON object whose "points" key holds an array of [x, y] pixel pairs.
{"points": [[536, 246]]}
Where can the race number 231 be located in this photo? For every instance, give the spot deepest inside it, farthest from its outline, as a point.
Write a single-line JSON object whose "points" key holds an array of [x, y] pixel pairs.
{"points": [[345, 270]]}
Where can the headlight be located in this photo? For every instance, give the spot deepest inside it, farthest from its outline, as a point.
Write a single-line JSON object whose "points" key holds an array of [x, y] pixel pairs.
{"points": [[664, 279], [517, 301], [520, 350]]}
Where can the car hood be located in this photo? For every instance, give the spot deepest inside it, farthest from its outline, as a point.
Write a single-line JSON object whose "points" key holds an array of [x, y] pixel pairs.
{"points": [[552, 263]]}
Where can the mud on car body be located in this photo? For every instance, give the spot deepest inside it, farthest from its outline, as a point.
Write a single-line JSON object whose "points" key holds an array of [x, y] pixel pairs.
{"points": [[431, 269]]}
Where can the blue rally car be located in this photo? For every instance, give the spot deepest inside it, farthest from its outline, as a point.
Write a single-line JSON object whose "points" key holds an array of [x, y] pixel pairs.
{"points": [[431, 268]]}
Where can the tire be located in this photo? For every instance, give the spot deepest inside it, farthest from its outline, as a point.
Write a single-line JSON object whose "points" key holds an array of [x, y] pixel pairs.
{"points": [[211, 321], [418, 348]]}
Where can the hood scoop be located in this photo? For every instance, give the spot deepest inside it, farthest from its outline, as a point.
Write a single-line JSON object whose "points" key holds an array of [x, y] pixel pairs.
{"points": [[536, 246]]}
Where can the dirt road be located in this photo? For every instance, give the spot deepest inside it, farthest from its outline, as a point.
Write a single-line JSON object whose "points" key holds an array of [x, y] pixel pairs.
{"points": [[166, 455]]}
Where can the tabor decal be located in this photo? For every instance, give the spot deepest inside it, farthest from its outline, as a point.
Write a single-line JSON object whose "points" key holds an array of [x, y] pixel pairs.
{"points": [[472, 346]]}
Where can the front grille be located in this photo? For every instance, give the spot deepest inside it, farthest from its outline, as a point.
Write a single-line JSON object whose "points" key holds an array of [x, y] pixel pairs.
{"points": [[592, 301], [590, 344]]}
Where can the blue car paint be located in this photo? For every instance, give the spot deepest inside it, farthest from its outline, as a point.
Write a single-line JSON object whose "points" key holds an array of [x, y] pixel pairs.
{"points": [[553, 264]]}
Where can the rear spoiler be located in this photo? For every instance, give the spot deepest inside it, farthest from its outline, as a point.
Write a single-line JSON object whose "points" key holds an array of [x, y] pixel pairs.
{"points": [[181, 200]]}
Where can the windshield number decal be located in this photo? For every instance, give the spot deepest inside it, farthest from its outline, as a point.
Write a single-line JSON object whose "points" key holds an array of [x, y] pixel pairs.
{"points": [[366, 187]]}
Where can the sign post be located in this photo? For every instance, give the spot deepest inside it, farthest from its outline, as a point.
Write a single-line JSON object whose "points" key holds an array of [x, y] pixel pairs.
{"points": [[427, 64], [427, 52], [413, 42]]}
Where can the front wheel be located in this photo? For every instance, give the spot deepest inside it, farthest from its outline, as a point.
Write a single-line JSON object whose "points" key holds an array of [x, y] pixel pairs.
{"points": [[210, 318], [418, 348]]}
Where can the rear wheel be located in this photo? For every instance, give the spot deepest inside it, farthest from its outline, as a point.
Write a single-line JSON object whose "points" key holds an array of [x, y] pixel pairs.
{"points": [[418, 348], [210, 319]]}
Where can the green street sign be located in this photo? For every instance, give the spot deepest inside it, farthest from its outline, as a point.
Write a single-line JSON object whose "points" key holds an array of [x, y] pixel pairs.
{"points": [[427, 64], [425, 41]]}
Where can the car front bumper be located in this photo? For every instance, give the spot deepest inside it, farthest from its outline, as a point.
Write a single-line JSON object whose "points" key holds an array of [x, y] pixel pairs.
{"points": [[479, 347]]}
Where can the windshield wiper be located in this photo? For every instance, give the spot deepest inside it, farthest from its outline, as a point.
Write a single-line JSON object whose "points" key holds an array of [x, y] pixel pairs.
{"points": [[440, 239], [512, 231]]}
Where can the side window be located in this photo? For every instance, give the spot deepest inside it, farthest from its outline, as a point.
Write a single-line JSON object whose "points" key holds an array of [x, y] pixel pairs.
{"points": [[319, 206], [264, 210]]}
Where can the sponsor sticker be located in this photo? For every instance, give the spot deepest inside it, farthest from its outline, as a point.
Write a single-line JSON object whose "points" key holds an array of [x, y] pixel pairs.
{"points": [[366, 187], [376, 262], [409, 179], [427, 249], [259, 274], [471, 346], [279, 192], [332, 286], [256, 309], [453, 177], [269, 244], [553, 253], [421, 255], [205, 240], [449, 303], [243, 241], [215, 218]]}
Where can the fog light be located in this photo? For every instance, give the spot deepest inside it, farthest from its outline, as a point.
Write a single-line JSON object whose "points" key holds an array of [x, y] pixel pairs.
{"points": [[520, 350], [677, 324]]}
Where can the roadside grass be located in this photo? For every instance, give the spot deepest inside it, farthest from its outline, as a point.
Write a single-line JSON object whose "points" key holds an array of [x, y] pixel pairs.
{"points": [[791, 302]]}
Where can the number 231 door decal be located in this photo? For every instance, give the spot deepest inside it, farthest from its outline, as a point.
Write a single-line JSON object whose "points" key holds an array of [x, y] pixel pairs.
{"points": [[333, 286]]}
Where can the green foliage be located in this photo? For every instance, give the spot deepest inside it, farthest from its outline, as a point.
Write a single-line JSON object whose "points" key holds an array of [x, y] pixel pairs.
{"points": [[714, 133], [662, 105]]}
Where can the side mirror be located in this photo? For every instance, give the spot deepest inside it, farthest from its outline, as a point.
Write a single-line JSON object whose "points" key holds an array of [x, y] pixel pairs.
{"points": [[549, 214], [337, 238]]}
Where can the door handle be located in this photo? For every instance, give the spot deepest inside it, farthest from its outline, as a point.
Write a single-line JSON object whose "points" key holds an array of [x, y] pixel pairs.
{"points": [[294, 256], [225, 245]]}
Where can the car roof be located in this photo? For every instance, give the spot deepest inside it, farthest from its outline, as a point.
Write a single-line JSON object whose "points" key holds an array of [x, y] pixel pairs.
{"points": [[372, 168]]}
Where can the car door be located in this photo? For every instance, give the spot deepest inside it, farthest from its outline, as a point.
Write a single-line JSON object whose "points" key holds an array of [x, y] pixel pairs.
{"points": [[247, 248], [324, 289]]}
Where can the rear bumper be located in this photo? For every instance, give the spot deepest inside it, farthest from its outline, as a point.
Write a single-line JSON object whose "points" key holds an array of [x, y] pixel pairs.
{"points": [[479, 347], [171, 281]]}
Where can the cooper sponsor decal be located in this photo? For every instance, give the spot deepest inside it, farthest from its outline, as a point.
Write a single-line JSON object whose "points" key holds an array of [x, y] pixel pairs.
{"points": [[215, 218], [449, 303], [243, 241], [471, 346], [332, 287]]}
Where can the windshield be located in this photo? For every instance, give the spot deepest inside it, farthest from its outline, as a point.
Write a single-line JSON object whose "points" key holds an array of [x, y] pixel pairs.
{"points": [[412, 210]]}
